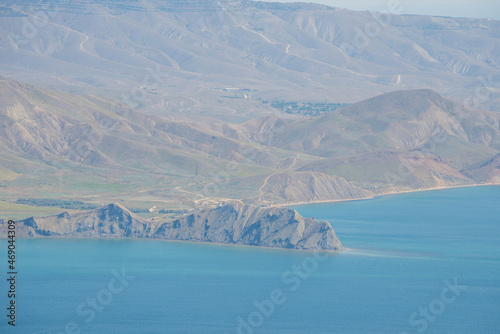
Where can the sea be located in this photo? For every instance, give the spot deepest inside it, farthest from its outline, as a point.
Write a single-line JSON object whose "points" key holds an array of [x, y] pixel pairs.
{"points": [[423, 262]]}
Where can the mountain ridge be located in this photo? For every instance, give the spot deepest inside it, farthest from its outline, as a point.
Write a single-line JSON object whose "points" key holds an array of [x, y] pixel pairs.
{"points": [[269, 50], [412, 139]]}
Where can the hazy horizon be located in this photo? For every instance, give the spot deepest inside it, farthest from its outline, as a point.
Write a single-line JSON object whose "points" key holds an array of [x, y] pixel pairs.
{"points": [[478, 9]]}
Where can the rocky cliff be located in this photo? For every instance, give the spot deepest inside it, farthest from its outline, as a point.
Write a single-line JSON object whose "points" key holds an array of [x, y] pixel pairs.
{"points": [[230, 224], [111, 221], [251, 225]]}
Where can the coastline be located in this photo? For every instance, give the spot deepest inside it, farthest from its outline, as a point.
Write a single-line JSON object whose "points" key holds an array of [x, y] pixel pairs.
{"points": [[383, 194], [344, 249], [148, 239]]}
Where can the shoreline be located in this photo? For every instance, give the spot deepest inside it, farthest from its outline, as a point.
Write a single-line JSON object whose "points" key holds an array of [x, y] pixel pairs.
{"points": [[148, 239], [344, 249], [382, 194]]}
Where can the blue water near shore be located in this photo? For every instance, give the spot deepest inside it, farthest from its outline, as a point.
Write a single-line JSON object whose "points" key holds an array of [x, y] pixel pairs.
{"points": [[426, 262]]}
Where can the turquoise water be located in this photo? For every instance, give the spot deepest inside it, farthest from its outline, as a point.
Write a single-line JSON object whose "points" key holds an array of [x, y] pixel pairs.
{"points": [[401, 250]]}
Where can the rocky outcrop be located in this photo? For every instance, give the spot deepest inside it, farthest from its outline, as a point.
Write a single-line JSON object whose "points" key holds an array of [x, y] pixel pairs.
{"points": [[230, 224], [111, 221], [251, 225]]}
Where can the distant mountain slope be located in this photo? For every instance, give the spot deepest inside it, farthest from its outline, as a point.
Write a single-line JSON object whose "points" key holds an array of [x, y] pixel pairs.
{"points": [[486, 170], [74, 141], [309, 186], [415, 136], [403, 120], [184, 56], [230, 224], [47, 126], [94, 150]]}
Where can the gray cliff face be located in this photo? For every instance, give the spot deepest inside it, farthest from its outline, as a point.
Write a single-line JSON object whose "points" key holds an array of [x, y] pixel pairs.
{"points": [[251, 225], [111, 221], [230, 224]]}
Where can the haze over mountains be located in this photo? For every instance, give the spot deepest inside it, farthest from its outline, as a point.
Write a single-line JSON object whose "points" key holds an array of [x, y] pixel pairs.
{"points": [[222, 58], [91, 149], [168, 105]]}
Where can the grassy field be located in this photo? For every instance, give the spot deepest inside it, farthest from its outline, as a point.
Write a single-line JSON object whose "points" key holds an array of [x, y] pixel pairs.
{"points": [[6, 174], [20, 211]]}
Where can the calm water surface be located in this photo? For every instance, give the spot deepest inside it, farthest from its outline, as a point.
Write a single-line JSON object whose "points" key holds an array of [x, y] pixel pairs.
{"points": [[425, 262]]}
